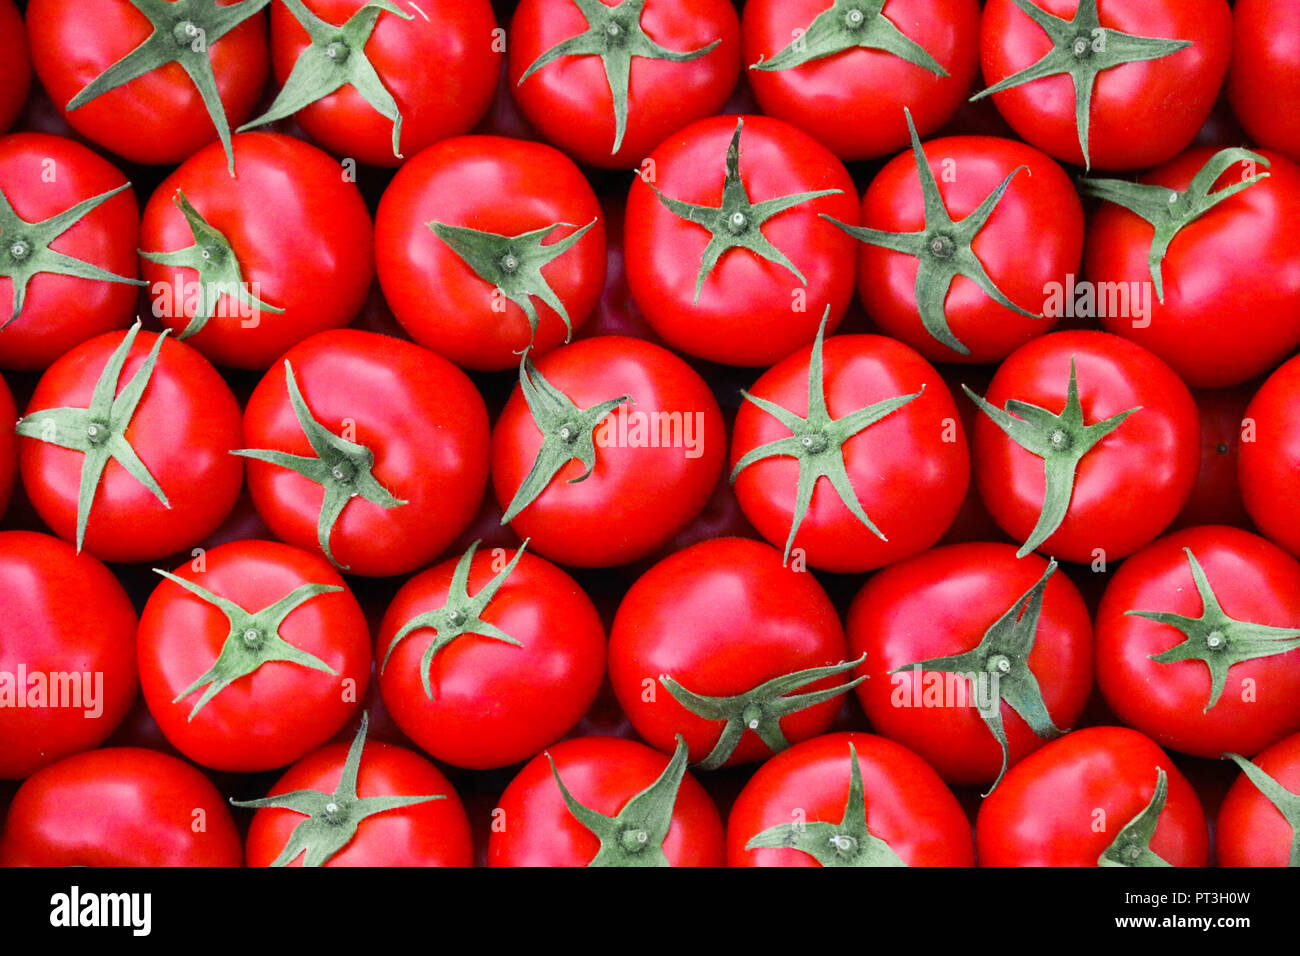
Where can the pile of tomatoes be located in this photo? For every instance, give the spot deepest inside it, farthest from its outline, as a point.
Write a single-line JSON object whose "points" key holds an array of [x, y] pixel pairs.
{"points": [[649, 432]]}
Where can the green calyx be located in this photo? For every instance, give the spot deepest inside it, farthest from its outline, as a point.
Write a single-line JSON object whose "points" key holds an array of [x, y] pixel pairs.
{"points": [[336, 57], [568, 432], [1132, 847], [635, 835], [1003, 654], [332, 818], [1082, 48], [183, 33], [214, 260], [99, 431], [847, 843], [1169, 210], [818, 442], [458, 616], [761, 708], [1060, 440], [847, 25], [738, 223], [342, 468], [1286, 802], [514, 264], [254, 638], [615, 35], [1217, 639], [943, 249], [25, 248]]}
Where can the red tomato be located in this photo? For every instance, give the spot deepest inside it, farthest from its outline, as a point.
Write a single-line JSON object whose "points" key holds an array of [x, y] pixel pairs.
{"points": [[1264, 76], [119, 806], [1251, 830], [15, 67], [1216, 497], [454, 214], [8, 445], [1269, 458]]}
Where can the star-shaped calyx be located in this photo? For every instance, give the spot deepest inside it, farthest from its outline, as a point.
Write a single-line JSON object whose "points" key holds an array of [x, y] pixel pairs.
{"points": [[848, 25], [847, 843], [336, 57], [943, 249], [332, 818], [1060, 440], [253, 640], [342, 468], [1132, 846], [1170, 210], [615, 35], [1003, 654], [817, 441], [1082, 48], [183, 33], [459, 615], [1216, 638], [761, 708], [99, 431], [738, 223], [215, 261], [1286, 802]]}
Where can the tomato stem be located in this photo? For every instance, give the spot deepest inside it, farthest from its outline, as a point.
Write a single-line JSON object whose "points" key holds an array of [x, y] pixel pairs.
{"points": [[1132, 846], [847, 25]]}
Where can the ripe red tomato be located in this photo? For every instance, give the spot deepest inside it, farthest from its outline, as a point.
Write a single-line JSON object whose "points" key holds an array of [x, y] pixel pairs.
{"points": [[15, 67], [1251, 828], [119, 806], [1264, 76], [8, 445], [1269, 458], [1216, 497], [747, 278], [1072, 801], [800, 809], [479, 238], [383, 462], [289, 232]]}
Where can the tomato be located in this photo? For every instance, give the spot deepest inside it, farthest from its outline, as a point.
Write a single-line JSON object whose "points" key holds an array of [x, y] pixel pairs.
{"points": [[1257, 819], [875, 420], [1216, 497], [378, 463], [1194, 639], [8, 445], [622, 804], [611, 447], [126, 447], [245, 268], [1269, 458], [496, 625], [436, 67], [67, 652], [15, 67], [1264, 76], [1147, 93], [66, 202], [609, 86], [847, 799], [843, 71], [747, 277], [1121, 438], [489, 245], [119, 806], [1102, 790]]}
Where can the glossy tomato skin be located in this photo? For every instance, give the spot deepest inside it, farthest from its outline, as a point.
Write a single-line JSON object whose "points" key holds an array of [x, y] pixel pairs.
{"points": [[1141, 113], [682, 617], [1216, 497], [62, 311], [537, 691], [440, 67], [637, 496], [8, 446], [569, 100], [183, 431], [64, 614], [1268, 463], [1231, 278], [1250, 830], [1032, 243], [420, 416], [602, 773], [941, 603], [156, 118], [1051, 808], [910, 470], [908, 806], [1254, 581], [853, 102], [750, 311], [1264, 76], [1131, 484], [15, 66], [300, 231], [497, 185], [119, 806]]}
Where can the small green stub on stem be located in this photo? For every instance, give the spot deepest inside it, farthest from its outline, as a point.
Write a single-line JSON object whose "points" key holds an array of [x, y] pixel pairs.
{"points": [[1132, 846], [849, 25]]}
